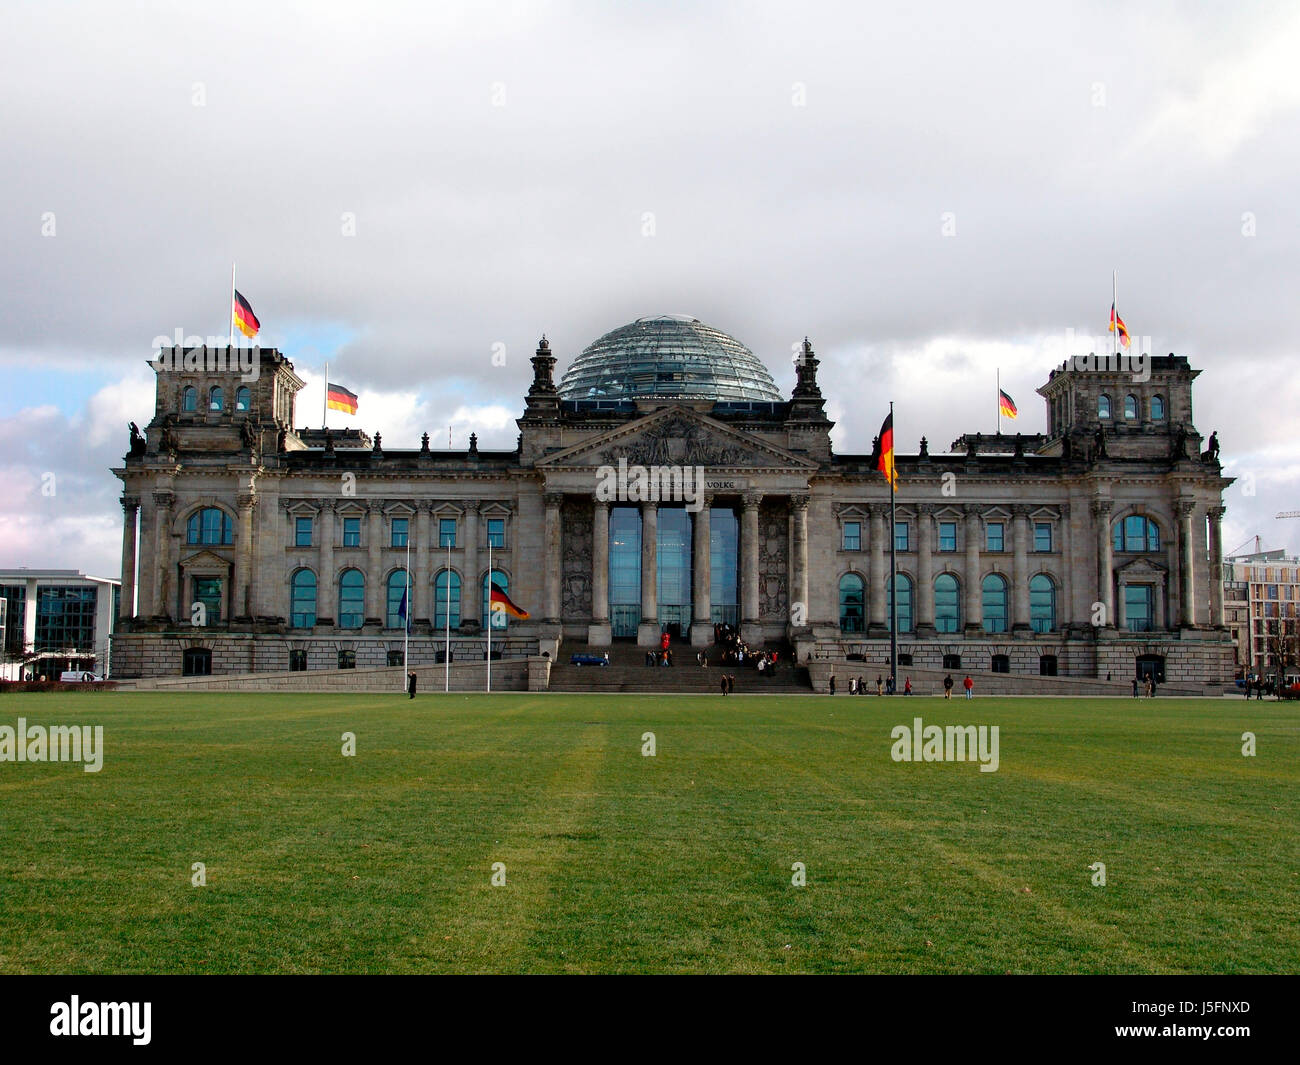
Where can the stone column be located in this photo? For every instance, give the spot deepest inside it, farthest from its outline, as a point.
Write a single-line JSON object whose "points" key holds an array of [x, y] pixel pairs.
{"points": [[1121, 599], [974, 605], [1061, 545], [877, 597], [130, 512], [554, 563], [422, 579], [799, 554], [471, 588], [374, 566], [240, 594], [702, 576], [599, 631], [1216, 566], [162, 551], [647, 633], [1020, 570], [327, 586], [923, 594], [1161, 619], [1187, 563], [1105, 581], [749, 558]]}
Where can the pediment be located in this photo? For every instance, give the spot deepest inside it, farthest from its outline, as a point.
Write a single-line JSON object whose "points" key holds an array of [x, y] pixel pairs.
{"points": [[1142, 567], [205, 560], [677, 436]]}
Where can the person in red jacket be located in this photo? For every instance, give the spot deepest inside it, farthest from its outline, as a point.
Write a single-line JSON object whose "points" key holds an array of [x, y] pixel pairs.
{"points": [[663, 642], [968, 684]]}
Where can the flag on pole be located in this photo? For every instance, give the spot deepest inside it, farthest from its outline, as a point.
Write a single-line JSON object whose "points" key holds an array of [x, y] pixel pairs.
{"points": [[500, 601], [885, 453], [1006, 405], [245, 319], [1117, 323], [339, 398], [401, 611]]}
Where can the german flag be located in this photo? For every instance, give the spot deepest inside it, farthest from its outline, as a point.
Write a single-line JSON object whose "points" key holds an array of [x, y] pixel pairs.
{"points": [[500, 601], [245, 318], [339, 398], [1116, 322], [1006, 404], [885, 461]]}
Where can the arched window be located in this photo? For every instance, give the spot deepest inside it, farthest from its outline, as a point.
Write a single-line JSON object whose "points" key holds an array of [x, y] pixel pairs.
{"points": [[1042, 603], [1157, 408], [499, 618], [947, 603], [190, 399], [903, 605], [1103, 406], [302, 599], [209, 526], [352, 599], [445, 578], [1047, 665], [396, 590], [852, 597], [243, 398], [347, 660], [216, 398], [952, 661], [1136, 533], [196, 662], [1000, 664], [1130, 406], [994, 588]]}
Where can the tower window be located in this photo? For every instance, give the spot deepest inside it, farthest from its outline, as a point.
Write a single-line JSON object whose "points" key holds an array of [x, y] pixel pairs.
{"points": [[1130, 407], [216, 398], [190, 399], [1157, 409], [243, 398], [1103, 406]]}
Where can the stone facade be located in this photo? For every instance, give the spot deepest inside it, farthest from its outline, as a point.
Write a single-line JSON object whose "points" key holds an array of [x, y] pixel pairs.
{"points": [[1013, 552]]}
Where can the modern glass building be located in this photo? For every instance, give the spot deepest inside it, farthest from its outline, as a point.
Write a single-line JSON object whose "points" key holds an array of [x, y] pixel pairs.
{"points": [[57, 620]]}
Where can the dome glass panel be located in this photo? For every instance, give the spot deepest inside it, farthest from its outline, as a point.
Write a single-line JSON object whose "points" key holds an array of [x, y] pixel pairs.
{"points": [[669, 356]]}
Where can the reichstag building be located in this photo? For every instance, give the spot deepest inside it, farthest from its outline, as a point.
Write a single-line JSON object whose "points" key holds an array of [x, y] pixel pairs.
{"points": [[251, 545]]}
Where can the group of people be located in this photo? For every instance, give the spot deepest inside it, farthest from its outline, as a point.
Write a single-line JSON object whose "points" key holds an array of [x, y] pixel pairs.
{"points": [[884, 686], [733, 651], [662, 657], [1148, 687]]}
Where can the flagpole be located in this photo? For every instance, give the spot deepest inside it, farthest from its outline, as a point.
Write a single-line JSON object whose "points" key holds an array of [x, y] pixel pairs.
{"points": [[406, 638], [999, 399], [325, 400], [232, 304], [893, 554], [1114, 325], [488, 619], [446, 649]]}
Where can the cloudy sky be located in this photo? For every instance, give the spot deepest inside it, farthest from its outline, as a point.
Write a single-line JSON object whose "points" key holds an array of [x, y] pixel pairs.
{"points": [[930, 194]]}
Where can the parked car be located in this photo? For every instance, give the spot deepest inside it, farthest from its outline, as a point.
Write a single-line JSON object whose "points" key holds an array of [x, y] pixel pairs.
{"points": [[589, 660], [78, 676]]}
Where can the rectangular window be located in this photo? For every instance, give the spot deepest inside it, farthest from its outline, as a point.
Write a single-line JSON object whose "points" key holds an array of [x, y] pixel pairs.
{"points": [[1139, 607], [446, 532], [900, 536], [207, 590], [496, 531], [1042, 536], [351, 532], [1272, 591], [852, 536], [994, 536], [302, 532], [400, 527], [947, 536]]}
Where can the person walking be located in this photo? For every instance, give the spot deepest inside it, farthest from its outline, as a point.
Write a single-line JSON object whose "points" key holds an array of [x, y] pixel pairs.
{"points": [[1148, 686], [880, 685], [862, 686], [969, 685], [1135, 687], [731, 684], [907, 686], [724, 684], [832, 685], [947, 686], [410, 684]]}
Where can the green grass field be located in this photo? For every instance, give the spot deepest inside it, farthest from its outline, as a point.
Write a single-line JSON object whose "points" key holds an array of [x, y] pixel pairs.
{"points": [[679, 862]]}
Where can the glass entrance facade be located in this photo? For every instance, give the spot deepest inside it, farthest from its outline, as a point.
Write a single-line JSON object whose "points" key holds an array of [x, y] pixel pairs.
{"points": [[724, 561], [624, 570], [674, 577]]}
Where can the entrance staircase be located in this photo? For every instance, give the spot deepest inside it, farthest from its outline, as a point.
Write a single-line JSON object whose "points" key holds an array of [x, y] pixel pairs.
{"points": [[627, 672]]}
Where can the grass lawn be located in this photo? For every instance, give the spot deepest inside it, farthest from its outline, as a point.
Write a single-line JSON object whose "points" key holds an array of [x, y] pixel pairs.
{"points": [[680, 862]]}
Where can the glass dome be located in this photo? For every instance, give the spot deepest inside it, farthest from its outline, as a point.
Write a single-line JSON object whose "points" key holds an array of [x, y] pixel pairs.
{"points": [[673, 356]]}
